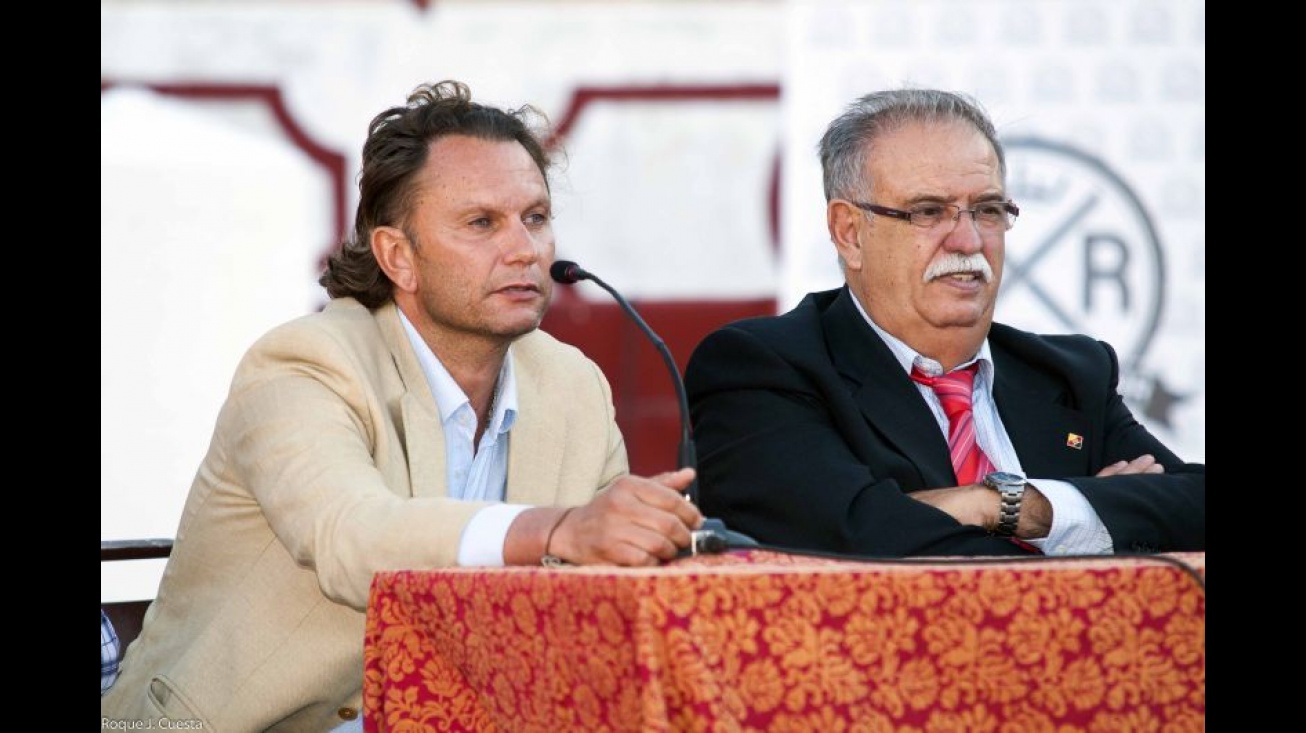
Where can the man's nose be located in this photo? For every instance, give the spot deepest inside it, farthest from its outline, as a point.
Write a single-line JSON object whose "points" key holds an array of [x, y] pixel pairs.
{"points": [[521, 244], [965, 236]]}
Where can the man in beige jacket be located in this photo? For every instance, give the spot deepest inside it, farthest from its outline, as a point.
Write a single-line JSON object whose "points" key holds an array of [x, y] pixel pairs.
{"points": [[419, 421]]}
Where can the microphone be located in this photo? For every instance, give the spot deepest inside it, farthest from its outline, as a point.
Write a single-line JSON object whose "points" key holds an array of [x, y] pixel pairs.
{"points": [[713, 537]]}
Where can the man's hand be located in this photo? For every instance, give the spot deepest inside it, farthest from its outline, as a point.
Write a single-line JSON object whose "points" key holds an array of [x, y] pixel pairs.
{"points": [[633, 521], [966, 504], [1142, 464], [976, 504]]}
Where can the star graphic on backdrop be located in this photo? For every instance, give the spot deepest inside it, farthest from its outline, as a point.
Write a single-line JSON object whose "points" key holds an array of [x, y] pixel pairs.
{"points": [[1160, 402]]}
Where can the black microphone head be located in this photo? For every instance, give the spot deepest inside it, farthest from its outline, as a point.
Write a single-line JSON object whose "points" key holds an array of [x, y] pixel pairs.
{"points": [[566, 272]]}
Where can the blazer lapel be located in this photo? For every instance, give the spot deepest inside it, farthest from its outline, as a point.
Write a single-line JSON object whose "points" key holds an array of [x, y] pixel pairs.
{"points": [[886, 396], [538, 438], [1051, 439], [423, 435]]}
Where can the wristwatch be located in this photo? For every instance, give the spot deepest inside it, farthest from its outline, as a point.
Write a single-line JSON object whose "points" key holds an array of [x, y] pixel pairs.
{"points": [[1011, 489]]}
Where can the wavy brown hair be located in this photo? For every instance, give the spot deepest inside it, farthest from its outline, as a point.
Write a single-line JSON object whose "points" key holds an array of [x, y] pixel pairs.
{"points": [[398, 143]]}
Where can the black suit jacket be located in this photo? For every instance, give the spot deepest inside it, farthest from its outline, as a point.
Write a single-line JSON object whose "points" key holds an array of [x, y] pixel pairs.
{"points": [[810, 435]]}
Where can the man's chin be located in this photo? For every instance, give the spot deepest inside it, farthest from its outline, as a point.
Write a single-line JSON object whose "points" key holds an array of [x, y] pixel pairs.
{"points": [[968, 316], [515, 329]]}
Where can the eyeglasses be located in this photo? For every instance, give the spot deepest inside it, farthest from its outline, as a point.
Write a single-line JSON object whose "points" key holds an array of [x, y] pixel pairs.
{"points": [[989, 216]]}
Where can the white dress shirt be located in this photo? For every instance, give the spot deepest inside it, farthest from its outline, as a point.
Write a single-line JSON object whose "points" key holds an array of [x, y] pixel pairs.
{"points": [[480, 473], [1076, 529]]}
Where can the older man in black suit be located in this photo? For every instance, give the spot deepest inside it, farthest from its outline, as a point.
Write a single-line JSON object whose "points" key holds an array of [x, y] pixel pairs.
{"points": [[892, 417]]}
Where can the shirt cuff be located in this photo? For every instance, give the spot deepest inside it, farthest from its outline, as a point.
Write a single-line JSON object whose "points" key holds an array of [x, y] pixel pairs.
{"points": [[483, 537], [1076, 528]]}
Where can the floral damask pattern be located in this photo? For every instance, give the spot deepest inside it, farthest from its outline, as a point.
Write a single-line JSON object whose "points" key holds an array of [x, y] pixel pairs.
{"points": [[760, 641]]}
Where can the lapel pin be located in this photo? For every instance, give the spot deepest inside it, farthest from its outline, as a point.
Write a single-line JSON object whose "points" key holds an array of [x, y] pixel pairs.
{"points": [[1074, 441]]}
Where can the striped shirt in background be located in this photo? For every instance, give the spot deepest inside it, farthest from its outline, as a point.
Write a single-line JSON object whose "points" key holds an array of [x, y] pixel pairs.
{"points": [[108, 653]]}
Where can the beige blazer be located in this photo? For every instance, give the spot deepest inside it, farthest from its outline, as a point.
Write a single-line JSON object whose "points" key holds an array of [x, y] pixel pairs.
{"points": [[327, 464]]}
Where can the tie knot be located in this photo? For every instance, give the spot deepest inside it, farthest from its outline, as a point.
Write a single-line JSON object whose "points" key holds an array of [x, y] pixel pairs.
{"points": [[953, 389]]}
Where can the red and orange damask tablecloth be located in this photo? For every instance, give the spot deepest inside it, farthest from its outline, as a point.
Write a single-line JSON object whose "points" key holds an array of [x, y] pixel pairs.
{"points": [[759, 640]]}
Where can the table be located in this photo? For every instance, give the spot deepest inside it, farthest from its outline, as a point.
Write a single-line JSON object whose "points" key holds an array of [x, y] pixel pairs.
{"points": [[759, 640]]}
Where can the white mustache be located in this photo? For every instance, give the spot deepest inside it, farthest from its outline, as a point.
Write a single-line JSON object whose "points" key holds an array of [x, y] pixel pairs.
{"points": [[953, 262]]}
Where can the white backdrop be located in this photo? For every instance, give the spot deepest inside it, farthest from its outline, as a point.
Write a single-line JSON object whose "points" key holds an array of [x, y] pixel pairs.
{"points": [[214, 215]]}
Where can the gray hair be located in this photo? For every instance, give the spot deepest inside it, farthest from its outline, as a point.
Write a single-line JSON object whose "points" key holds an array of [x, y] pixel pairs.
{"points": [[848, 140]]}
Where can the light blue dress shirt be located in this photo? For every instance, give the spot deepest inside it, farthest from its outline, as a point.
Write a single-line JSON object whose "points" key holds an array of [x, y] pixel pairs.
{"points": [[477, 473], [1076, 528]]}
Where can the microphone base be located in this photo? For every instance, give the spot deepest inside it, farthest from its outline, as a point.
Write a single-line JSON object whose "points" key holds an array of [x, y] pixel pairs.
{"points": [[714, 538]]}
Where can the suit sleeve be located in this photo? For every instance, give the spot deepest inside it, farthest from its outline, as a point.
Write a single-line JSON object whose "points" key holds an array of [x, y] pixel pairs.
{"points": [[783, 458], [1150, 512]]}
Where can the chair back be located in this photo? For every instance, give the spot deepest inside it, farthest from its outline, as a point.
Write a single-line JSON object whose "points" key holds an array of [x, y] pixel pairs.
{"points": [[127, 616]]}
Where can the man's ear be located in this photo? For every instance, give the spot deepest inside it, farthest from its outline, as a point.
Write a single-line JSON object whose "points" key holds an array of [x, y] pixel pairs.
{"points": [[394, 253], [845, 222]]}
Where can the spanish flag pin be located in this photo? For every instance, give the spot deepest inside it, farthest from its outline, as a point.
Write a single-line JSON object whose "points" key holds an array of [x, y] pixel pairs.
{"points": [[1075, 441]]}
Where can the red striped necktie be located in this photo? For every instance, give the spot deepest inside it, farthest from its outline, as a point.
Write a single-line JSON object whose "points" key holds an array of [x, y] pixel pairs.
{"points": [[954, 392]]}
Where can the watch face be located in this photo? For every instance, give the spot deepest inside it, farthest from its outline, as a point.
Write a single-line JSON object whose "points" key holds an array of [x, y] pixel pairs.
{"points": [[1003, 477]]}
